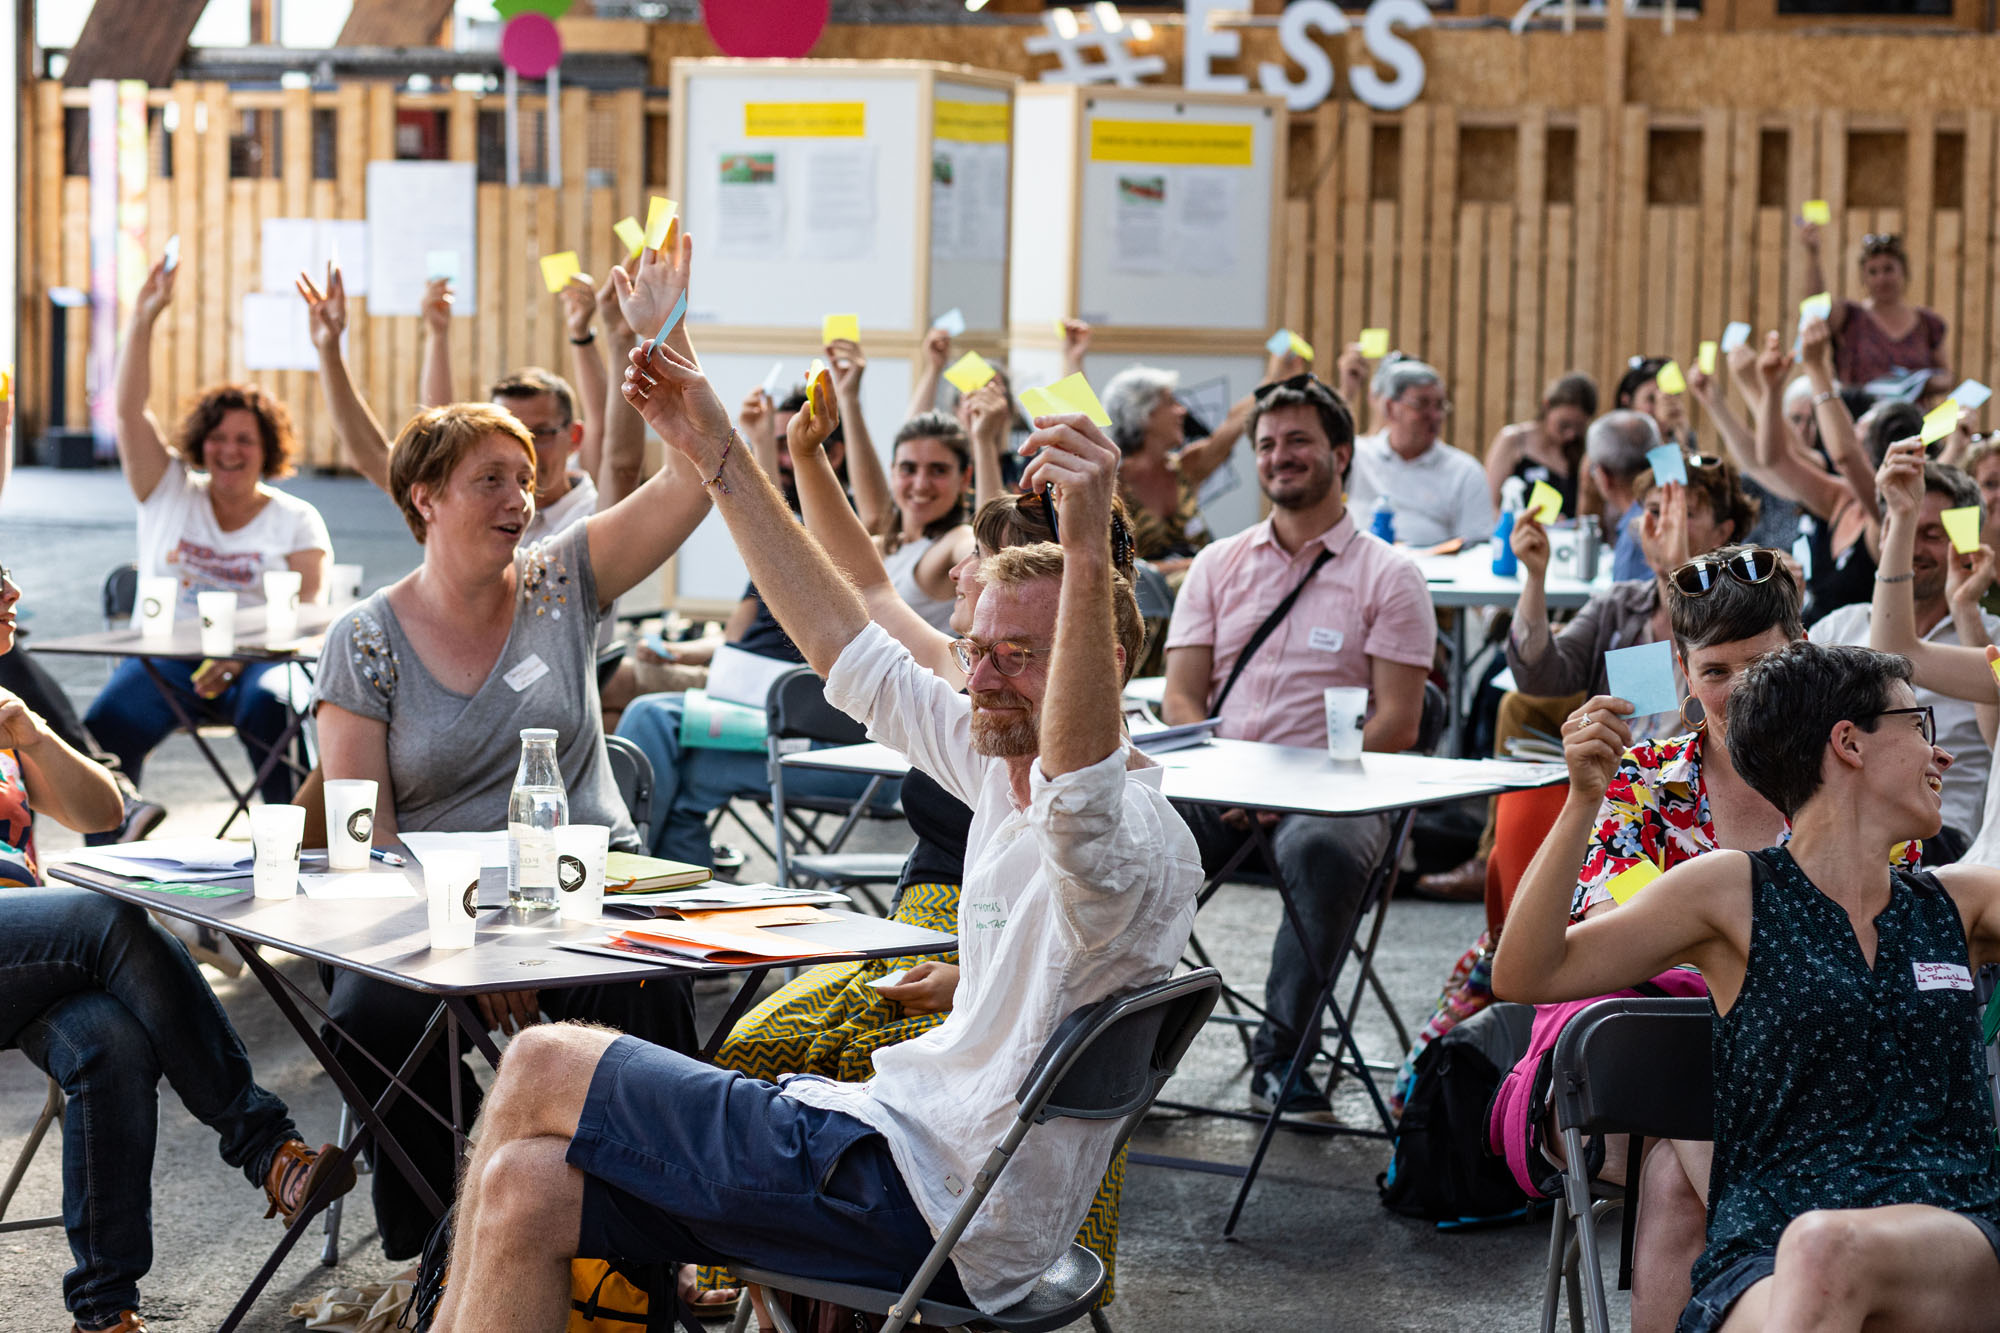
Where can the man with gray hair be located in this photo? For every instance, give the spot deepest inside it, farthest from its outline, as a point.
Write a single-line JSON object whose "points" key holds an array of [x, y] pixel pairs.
{"points": [[1614, 452], [1437, 492]]}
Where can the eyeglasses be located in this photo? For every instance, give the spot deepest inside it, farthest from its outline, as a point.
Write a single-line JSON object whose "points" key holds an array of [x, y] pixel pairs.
{"points": [[1701, 460], [1698, 577], [546, 432], [1042, 504], [1009, 659], [1926, 720]]}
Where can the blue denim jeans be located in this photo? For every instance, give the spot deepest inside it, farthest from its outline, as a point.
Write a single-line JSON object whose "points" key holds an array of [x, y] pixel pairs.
{"points": [[129, 716], [690, 785], [104, 1002]]}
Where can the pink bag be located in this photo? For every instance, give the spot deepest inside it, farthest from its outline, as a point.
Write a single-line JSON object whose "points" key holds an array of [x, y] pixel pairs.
{"points": [[1521, 1103]]}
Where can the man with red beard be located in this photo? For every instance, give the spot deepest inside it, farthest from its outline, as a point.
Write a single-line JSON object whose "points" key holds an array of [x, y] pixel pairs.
{"points": [[1080, 883], [1361, 616]]}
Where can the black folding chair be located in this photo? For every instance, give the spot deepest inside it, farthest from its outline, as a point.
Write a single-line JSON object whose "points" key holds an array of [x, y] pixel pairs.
{"points": [[633, 772], [51, 1113], [1636, 1067], [1106, 1061]]}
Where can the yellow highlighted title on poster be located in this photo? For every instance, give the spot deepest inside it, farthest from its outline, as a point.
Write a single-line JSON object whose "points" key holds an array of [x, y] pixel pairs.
{"points": [[971, 122], [805, 120], [1171, 143]]}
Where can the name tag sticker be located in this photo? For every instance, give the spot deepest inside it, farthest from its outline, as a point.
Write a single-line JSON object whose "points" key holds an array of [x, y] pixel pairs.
{"points": [[1942, 976], [1324, 640], [531, 669], [987, 915]]}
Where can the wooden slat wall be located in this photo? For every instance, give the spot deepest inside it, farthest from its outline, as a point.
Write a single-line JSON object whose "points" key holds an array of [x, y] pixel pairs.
{"points": [[220, 222]]}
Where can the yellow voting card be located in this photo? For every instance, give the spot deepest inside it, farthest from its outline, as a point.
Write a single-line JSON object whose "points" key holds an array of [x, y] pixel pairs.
{"points": [[1670, 379], [969, 373], [833, 328], [1073, 393], [1039, 403], [558, 269], [1816, 211], [1704, 358], [1817, 306], [1630, 880], [1374, 343], [1942, 421], [659, 216], [1962, 526], [6, 383], [1545, 502], [1301, 349], [630, 235]]}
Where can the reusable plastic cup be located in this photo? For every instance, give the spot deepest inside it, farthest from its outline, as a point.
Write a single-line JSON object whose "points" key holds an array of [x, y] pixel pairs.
{"points": [[276, 832], [153, 609], [350, 822], [218, 622], [281, 605], [451, 887], [580, 853], [1346, 712], [343, 585]]}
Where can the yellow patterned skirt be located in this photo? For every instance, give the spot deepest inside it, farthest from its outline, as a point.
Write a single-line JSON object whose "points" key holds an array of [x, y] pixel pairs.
{"points": [[830, 1021]]}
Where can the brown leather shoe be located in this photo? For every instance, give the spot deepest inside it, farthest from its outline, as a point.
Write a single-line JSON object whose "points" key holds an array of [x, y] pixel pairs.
{"points": [[1462, 884], [296, 1172], [128, 1322]]}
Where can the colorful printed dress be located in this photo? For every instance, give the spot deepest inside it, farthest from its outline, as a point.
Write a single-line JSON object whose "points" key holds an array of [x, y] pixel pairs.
{"points": [[18, 867]]}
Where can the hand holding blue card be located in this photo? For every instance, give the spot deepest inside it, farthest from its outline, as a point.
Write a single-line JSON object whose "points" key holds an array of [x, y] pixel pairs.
{"points": [[1668, 464], [1643, 676]]}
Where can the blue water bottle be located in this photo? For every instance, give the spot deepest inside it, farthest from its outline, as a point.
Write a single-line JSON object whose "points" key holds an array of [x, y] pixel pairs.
{"points": [[1383, 525], [1505, 563]]}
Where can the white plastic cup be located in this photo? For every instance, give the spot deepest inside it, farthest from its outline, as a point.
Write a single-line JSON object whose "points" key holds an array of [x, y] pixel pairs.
{"points": [[281, 605], [343, 584], [580, 853], [276, 833], [350, 822], [451, 888], [1346, 714], [153, 609], [218, 623]]}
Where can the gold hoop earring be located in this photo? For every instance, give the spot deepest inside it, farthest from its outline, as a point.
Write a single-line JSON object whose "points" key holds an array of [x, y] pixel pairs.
{"points": [[1696, 727]]}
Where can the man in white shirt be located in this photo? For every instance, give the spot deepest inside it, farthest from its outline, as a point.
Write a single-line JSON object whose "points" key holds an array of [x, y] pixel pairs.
{"points": [[1964, 795], [1436, 491], [1080, 883]]}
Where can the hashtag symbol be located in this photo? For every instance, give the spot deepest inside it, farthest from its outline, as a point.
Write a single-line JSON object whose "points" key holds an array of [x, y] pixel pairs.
{"points": [[1114, 62]]}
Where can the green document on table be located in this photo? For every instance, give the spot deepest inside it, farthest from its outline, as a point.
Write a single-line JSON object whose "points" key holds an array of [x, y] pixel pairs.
{"points": [[713, 724], [193, 890]]}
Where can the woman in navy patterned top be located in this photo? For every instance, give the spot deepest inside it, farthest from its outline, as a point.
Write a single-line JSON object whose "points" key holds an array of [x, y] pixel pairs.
{"points": [[1855, 1179]]}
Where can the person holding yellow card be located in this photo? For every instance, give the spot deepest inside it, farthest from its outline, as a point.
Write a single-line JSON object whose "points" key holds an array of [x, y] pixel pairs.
{"points": [[1882, 337], [1549, 446]]}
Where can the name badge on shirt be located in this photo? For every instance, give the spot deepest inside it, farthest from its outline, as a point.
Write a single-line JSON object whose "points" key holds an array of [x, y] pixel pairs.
{"points": [[1942, 976], [990, 915], [531, 669], [1324, 640]]}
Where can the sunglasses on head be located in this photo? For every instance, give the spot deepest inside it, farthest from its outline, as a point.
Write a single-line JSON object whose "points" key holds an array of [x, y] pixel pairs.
{"points": [[1042, 504], [1699, 576], [1305, 382]]}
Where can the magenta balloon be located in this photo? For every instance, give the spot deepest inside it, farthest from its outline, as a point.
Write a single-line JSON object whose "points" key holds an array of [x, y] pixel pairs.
{"points": [[530, 45]]}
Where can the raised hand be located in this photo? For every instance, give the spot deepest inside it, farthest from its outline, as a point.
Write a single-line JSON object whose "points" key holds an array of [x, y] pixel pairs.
{"points": [[326, 313], [848, 362], [1283, 365], [1663, 535], [1595, 738], [154, 293], [937, 348], [579, 301], [436, 309], [1076, 339], [1070, 451], [1968, 574], [608, 310], [649, 293], [1809, 234], [1702, 387], [1817, 349], [758, 419], [1900, 479], [1742, 360], [1530, 544], [1774, 364], [812, 424], [991, 412], [676, 400]]}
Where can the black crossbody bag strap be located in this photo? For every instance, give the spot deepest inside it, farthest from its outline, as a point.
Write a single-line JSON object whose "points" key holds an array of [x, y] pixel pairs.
{"points": [[1271, 622]]}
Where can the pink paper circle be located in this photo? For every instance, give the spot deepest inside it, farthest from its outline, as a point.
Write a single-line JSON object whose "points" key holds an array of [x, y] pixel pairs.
{"points": [[765, 29], [530, 45]]}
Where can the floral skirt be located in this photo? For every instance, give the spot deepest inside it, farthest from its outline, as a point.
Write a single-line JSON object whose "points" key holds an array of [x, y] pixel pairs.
{"points": [[830, 1021]]}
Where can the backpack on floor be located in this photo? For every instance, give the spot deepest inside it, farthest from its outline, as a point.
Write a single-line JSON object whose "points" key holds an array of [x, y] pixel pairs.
{"points": [[607, 1296], [1441, 1169]]}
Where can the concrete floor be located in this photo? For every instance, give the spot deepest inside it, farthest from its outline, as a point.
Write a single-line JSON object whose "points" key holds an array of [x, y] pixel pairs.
{"points": [[1315, 1251]]}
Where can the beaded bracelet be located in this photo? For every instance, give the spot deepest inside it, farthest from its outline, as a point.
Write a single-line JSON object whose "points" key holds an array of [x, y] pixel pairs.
{"points": [[1896, 578], [716, 480]]}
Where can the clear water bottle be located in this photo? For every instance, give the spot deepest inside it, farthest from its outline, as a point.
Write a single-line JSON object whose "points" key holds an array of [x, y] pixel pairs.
{"points": [[535, 809], [1383, 525]]}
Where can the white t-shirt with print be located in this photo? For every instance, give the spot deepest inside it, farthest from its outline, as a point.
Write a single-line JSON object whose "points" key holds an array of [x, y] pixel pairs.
{"points": [[178, 536]]}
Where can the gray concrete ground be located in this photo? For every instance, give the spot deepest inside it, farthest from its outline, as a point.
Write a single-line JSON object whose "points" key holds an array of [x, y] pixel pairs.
{"points": [[1315, 1251]]}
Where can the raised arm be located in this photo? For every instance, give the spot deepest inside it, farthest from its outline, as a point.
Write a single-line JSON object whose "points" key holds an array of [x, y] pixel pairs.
{"points": [[1201, 458], [864, 466], [586, 359], [142, 453], [1501, 456], [434, 386], [1739, 441], [992, 413], [6, 433], [1810, 236], [1778, 451], [1836, 427], [1076, 346], [930, 369], [623, 467], [1968, 577], [1892, 627], [359, 433]]}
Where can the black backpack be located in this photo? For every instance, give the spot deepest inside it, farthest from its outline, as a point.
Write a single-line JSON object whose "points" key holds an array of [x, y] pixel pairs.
{"points": [[1441, 1168]]}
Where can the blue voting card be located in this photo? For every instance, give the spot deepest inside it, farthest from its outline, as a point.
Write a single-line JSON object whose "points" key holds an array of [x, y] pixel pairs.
{"points": [[1668, 464], [1643, 676]]}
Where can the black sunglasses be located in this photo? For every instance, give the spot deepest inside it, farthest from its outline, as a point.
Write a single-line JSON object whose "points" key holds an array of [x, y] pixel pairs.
{"points": [[1926, 720], [1043, 503], [1698, 577], [1306, 382]]}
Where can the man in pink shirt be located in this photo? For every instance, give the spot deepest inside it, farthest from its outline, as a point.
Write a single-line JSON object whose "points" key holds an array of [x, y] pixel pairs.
{"points": [[1362, 617]]}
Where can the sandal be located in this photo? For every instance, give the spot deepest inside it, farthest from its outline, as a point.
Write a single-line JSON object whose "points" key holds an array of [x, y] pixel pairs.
{"points": [[715, 1303], [296, 1173]]}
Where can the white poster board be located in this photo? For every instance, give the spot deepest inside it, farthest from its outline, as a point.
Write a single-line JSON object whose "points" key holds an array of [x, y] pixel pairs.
{"points": [[277, 333], [970, 180], [291, 246], [417, 210]]}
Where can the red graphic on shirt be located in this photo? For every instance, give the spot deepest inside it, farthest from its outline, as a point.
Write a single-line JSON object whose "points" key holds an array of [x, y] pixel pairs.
{"points": [[205, 569]]}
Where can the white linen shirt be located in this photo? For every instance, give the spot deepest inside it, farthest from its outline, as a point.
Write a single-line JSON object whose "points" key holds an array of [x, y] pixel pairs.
{"points": [[1088, 892]]}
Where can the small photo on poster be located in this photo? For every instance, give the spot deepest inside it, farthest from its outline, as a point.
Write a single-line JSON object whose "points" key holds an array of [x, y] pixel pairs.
{"points": [[749, 169], [1141, 224], [750, 206]]}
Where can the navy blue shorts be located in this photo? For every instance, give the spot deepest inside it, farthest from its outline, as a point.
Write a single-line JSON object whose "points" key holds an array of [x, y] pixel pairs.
{"points": [[687, 1163], [1711, 1305]]}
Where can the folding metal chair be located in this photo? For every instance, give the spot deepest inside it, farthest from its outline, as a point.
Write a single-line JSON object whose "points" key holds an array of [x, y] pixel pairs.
{"points": [[1641, 1068], [1106, 1061], [52, 1109], [633, 772]]}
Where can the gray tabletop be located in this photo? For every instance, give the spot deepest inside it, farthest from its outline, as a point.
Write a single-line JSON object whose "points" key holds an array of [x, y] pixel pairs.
{"points": [[185, 645], [1467, 579], [1249, 775], [388, 938]]}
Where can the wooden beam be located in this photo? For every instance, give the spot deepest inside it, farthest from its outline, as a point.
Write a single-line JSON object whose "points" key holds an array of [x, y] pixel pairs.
{"points": [[133, 39], [394, 23]]}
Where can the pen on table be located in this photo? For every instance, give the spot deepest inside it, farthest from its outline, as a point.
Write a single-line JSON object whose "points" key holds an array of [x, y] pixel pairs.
{"points": [[385, 857]]}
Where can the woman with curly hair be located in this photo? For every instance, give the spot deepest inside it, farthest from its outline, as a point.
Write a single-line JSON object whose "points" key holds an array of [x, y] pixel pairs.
{"points": [[208, 518]]}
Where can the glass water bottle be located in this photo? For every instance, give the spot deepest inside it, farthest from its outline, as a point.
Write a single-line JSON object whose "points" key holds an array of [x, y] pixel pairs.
{"points": [[535, 809]]}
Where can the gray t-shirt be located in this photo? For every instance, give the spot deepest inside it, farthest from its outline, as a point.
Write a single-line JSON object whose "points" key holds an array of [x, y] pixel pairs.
{"points": [[452, 756]]}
